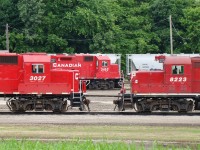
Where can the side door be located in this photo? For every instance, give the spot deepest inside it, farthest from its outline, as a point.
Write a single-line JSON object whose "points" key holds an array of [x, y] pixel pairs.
{"points": [[195, 76], [88, 67]]}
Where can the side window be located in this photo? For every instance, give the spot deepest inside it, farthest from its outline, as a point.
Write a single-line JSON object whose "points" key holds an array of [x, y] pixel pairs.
{"points": [[104, 63], [37, 68], [177, 69]]}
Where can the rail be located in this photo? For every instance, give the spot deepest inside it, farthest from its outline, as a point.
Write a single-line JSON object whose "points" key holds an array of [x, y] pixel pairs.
{"points": [[197, 113]]}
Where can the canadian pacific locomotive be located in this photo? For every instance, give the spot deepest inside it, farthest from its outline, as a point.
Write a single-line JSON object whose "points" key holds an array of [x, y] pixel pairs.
{"points": [[176, 87], [40, 81], [97, 69], [29, 83]]}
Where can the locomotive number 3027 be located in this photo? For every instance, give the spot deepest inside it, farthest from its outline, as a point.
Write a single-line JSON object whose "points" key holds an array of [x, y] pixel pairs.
{"points": [[37, 78], [178, 79]]}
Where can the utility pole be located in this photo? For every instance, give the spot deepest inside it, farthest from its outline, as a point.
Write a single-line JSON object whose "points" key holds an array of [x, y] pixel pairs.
{"points": [[7, 38], [171, 39]]}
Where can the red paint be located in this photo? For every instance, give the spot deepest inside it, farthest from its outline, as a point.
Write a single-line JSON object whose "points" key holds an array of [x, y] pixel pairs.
{"points": [[17, 75], [165, 81]]}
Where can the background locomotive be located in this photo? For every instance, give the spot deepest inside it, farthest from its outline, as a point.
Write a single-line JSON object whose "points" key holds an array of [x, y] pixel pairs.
{"points": [[31, 84], [147, 61], [176, 87], [98, 69]]}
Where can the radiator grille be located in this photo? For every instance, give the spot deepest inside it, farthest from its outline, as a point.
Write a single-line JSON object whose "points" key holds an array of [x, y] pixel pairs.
{"points": [[13, 60]]}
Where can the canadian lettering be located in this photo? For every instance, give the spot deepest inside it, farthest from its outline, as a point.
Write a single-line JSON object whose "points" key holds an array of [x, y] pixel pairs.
{"points": [[70, 65]]}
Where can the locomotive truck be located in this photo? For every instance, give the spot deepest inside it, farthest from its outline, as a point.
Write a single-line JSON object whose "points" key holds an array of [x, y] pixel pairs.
{"points": [[176, 87], [29, 83], [97, 69]]}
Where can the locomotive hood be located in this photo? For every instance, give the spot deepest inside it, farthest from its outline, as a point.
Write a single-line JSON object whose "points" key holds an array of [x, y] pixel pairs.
{"points": [[176, 60], [36, 59]]}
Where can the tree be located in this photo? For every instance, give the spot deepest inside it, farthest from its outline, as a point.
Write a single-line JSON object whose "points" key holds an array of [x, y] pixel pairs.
{"points": [[90, 26], [191, 21], [105, 26], [160, 11], [8, 14], [136, 26], [31, 14]]}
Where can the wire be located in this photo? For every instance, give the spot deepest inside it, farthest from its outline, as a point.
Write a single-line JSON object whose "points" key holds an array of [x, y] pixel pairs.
{"points": [[79, 39], [161, 21], [178, 33]]}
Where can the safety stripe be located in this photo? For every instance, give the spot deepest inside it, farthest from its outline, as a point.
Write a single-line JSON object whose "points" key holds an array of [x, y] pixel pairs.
{"points": [[168, 94], [48, 92], [36, 93], [65, 93], [15, 92]]}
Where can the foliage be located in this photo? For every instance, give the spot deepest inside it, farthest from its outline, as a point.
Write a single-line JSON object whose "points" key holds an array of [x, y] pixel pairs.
{"points": [[191, 21], [135, 22], [161, 10], [103, 26]]}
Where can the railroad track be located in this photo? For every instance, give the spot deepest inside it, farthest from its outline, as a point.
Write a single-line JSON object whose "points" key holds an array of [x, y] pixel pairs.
{"points": [[106, 113]]}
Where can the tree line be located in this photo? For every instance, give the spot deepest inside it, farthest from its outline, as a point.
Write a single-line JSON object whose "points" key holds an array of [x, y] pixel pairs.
{"points": [[100, 26]]}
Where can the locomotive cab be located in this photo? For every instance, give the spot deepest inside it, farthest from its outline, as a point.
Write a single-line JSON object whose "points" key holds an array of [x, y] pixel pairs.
{"points": [[177, 74], [106, 73], [37, 69], [42, 79], [102, 66], [36, 74]]}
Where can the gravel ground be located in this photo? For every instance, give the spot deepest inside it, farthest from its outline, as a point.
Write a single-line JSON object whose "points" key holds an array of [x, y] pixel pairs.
{"points": [[101, 120]]}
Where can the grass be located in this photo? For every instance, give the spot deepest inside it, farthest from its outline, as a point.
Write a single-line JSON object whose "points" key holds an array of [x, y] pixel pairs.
{"points": [[140, 133], [80, 145]]}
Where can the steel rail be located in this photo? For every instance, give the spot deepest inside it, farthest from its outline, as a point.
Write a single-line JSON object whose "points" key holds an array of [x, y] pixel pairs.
{"points": [[105, 113]]}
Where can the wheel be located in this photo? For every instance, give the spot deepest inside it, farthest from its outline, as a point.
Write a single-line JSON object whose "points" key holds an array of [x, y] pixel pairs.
{"points": [[13, 107], [107, 86], [90, 86], [56, 111], [98, 86], [138, 107], [121, 105], [64, 107], [82, 107], [20, 111], [86, 102], [112, 85], [190, 106]]}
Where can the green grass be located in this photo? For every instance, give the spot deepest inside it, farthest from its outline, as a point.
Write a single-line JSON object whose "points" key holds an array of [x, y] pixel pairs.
{"points": [[114, 137], [142, 133], [80, 145]]}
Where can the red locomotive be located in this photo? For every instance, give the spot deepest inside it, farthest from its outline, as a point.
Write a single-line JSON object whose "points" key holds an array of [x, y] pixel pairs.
{"points": [[31, 84], [98, 69], [176, 87]]}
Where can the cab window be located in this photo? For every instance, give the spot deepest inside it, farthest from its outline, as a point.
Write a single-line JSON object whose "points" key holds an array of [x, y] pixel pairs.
{"points": [[177, 69], [104, 63], [37, 68]]}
